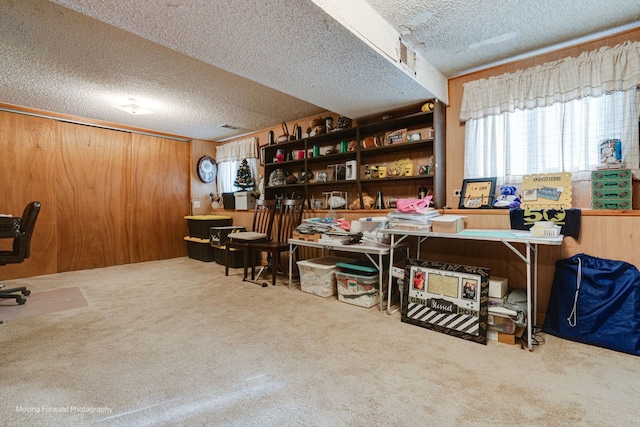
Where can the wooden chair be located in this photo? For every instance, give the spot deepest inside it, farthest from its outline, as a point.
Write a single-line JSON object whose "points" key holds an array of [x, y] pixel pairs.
{"points": [[263, 216], [289, 218]]}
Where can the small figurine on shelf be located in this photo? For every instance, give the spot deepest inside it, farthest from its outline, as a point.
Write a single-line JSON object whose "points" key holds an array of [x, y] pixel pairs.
{"points": [[328, 122], [379, 204], [367, 200], [261, 187], [244, 179], [369, 171], [508, 198], [344, 122], [215, 201]]}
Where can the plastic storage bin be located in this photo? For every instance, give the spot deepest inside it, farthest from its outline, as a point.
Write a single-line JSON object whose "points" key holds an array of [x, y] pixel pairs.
{"points": [[371, 226], [236, 256], [199, 224], [220, 235], [358, 289], [317, 275], [200, 249], [500, 323]]}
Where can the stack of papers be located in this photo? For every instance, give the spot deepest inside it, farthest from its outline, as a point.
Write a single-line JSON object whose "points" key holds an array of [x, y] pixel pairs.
{"points": [[412, 221]]}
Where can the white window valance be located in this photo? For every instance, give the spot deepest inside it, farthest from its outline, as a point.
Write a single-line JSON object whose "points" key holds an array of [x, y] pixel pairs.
{"points": [[246, 148], [591, 74]]}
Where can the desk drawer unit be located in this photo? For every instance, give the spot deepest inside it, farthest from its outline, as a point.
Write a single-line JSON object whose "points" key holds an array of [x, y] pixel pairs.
{"points": [[611, 189]]}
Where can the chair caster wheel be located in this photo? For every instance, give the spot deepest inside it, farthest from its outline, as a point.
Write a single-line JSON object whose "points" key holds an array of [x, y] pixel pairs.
{"points": [[21, 300], [26, 292], [264, 284]]}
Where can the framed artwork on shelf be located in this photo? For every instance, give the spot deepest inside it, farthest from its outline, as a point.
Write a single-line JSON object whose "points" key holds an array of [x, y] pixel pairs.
{"points": [[477, 193]]}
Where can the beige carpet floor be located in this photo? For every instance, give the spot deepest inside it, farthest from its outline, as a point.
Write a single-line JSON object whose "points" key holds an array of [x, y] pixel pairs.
{"points": [[175, 342]]}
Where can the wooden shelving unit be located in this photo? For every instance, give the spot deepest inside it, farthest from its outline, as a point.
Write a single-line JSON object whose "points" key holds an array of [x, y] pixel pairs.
{"points": [[429, 145]]}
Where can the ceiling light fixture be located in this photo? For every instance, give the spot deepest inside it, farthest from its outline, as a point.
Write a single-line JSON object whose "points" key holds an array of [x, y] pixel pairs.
{"points": [[133, 108]]}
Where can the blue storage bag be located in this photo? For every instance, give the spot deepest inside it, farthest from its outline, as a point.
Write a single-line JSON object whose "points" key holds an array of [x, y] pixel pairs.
{"points": [[596, 301]]}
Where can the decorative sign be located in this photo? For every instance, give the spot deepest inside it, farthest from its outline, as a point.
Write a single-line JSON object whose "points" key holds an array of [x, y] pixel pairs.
{"points": [[546, 191], [448, 298]]}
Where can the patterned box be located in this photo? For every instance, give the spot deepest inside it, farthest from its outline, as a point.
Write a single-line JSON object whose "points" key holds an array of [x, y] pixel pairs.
{"points": [[611, 189]]}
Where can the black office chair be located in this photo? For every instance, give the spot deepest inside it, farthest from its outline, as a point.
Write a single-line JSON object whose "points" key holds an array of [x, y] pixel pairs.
{"points": [[20, 230]]}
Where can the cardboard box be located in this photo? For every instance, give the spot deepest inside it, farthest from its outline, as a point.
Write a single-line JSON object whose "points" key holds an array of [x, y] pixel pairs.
{"points": [[447, 224], [506, 338], [306, 237], [498, 286], [245, 200]]}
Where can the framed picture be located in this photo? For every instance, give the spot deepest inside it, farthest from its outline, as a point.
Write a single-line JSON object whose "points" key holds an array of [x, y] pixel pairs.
{"points": [[477, 193], [448, 298]]}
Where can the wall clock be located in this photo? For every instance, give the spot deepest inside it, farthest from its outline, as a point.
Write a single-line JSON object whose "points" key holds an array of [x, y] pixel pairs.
{"points": [[207, 169]]}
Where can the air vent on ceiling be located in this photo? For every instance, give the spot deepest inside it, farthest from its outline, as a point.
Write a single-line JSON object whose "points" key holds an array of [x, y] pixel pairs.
{"points": [[232, 127]]}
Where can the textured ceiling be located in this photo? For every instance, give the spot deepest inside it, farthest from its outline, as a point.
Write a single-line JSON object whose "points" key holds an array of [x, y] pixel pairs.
{"points": [[458, 36], [250, 64]]}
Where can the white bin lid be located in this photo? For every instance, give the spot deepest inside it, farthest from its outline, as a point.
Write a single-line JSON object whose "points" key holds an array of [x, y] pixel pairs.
{"points": [[326, 262]]}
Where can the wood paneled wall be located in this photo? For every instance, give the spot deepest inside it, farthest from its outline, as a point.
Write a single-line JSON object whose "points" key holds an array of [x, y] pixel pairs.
{"points": [[108, 197], [159, 197], [27, 168], [93, 194]]}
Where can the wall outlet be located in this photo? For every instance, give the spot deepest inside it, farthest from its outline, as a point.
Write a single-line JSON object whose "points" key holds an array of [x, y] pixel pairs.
{"points": [[196, 204], [457, 193]]}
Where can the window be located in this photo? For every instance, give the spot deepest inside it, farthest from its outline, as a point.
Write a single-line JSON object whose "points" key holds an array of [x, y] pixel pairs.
{"points": [[552, 118], [563, 137], [229, 156]]}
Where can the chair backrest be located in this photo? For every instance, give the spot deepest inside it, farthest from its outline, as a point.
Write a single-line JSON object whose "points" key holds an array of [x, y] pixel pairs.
{"points": [[29, 217], [263, 216], [290, 218]]}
